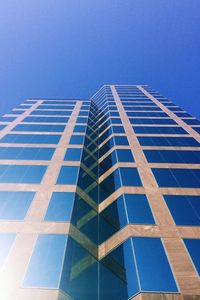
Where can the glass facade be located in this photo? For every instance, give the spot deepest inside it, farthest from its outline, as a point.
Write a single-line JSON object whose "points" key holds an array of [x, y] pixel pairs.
{"points": [[100, 198]]}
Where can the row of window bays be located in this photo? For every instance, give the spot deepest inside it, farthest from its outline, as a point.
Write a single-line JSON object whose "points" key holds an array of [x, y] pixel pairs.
{"points": [[54, 257], [127, 209]]}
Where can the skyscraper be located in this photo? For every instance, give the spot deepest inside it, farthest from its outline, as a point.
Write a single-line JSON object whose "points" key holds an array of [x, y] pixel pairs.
{"points": [[100, 198]]}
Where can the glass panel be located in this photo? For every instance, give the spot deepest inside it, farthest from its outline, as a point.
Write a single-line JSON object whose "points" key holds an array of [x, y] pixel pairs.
{"points": [[130, 177], [14, 205], [68, 175], [21, 174], [45, 266], [150, 255], [60, 207], [168, 141], [46, 119], [172, 156], [26, 153], [124, 155], [177, 177], [138, 209], [73, 154], [39, 128], [77, 139], [6, 241], [184, 209], [31, 139], [159, 130], [193, 247]]}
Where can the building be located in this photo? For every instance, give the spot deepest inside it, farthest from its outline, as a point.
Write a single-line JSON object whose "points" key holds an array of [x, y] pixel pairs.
{"points": [[100, 198]]}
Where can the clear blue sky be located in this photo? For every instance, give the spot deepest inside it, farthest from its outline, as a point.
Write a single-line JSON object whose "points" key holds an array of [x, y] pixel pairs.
{"points": [[69, 48]]}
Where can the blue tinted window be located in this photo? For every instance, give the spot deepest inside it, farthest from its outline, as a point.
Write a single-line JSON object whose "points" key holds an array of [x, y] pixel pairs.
{"points": [[193, 247], [51, 112], [197, 129], [16, 112], [130, 177], [192, 121], [172, 156], [45, 266], [2, 126], [168, 141], [68, 175], [26, 153], [153, 267], [79, 128], [46, 119], [138, 209], [124, 155], [116, 121], [151, 121], [81, 120], [6, 241], [146, 114], [44, 128], [31, 139], [60, 207], [67, 107], [159, 130], [7, 119], [73, 154], [14, 205], [118, 129], [77, 139], [121, 140], [21, 174], [189, 178], [184, 209]]}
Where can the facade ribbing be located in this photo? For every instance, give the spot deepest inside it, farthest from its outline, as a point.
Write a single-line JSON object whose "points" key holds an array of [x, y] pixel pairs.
{"points": [[100, 198]]}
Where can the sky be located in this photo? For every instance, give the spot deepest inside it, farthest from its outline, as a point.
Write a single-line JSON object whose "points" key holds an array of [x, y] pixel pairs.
{"points": [[70, 48]]}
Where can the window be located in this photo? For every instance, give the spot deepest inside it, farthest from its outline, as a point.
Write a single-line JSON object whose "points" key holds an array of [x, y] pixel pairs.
{"points": [[7, 119], [118, 129], [73, 154], [138, 209], [159, 130], [150, 255], [77, 139], [197, 129], [45, 267], [6, 241], [172, 156], [121, 140], [67, 107], [51, 112], [26, 153], [192, 121], [80, 128], [193, 247], [14, 205], [21, 174], [31, 139], [130, 177], [151, 121], [188, 178], [185, 210], [124, 155], [136, 258], [168, 141], [2, 126], [47, 119], [68, 175], [81, 120], [60, 207], [36, 127]]}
